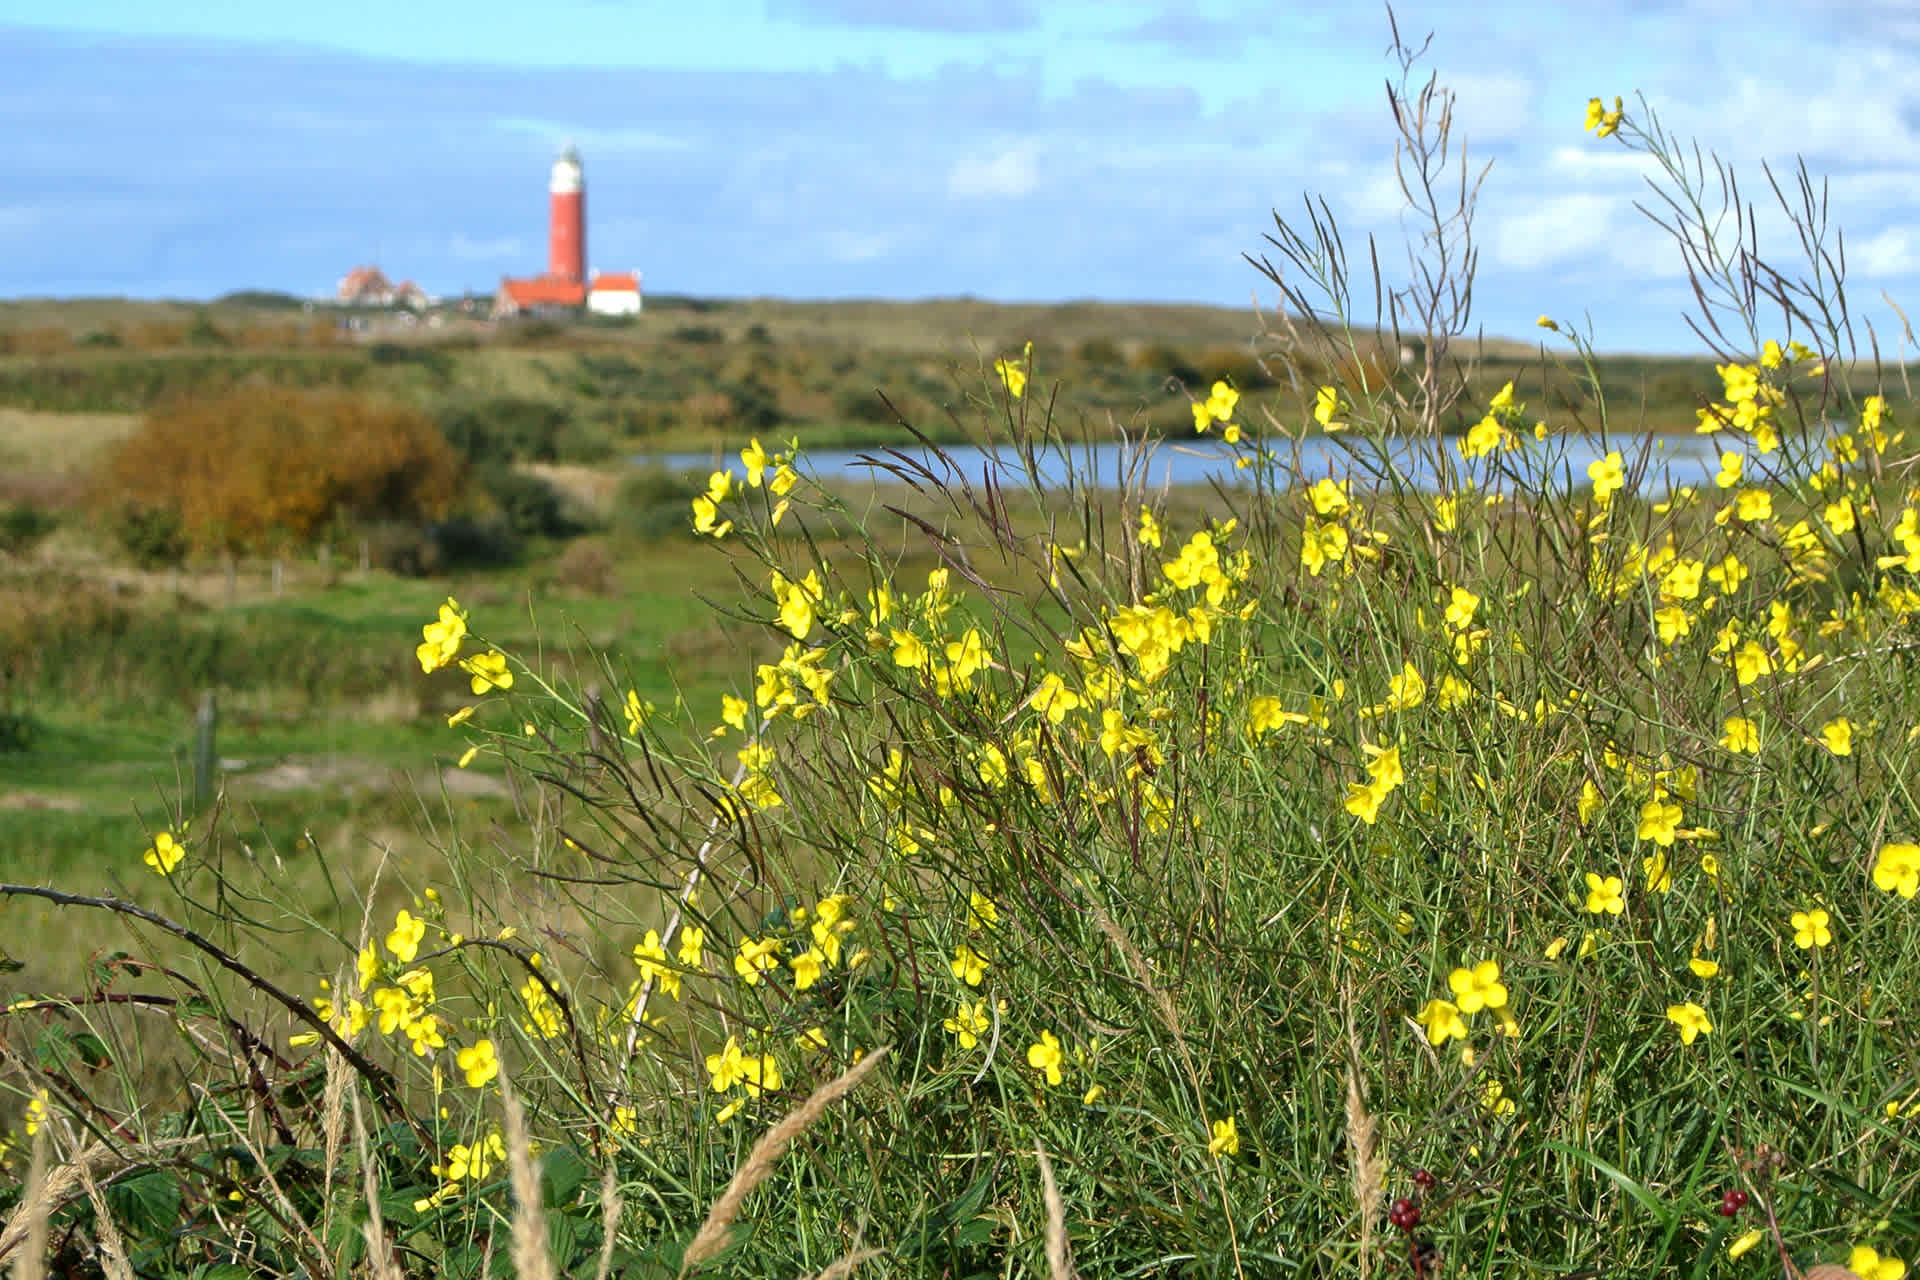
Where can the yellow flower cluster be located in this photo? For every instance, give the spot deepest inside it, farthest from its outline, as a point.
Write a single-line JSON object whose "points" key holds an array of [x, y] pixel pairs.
{"points": [[752, 1074], [1474, 988], [1219, 405], [467, 1163], [722, 487]]}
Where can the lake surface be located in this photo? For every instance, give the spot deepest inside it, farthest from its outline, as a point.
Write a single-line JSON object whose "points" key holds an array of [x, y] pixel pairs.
{"points": [[1669, 461]]}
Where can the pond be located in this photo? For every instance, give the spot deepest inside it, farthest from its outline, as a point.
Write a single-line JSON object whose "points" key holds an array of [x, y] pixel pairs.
{"points": [[1669, 460]]}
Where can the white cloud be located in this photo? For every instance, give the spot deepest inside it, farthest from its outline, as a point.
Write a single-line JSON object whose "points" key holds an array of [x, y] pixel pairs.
{"points": [[1492, 108], [1552, 230], [857, 246], [1893, 252], [1009, 172], [467, 249], [591, 139], [16, 218]]}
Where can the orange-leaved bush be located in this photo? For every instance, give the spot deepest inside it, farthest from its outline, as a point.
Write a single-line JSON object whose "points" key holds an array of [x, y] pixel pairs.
{"points": [[257, 465]]}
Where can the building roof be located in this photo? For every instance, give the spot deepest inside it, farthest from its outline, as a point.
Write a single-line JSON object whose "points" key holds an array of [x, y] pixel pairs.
{"points": [[543, 291], [364, 280], [616, 282]]}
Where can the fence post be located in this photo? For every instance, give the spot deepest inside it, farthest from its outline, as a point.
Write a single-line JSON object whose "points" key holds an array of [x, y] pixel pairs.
{"points": [[204, 722]]}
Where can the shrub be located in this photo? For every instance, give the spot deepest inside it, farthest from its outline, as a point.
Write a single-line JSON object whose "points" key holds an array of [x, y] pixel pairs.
{"points": [[863, 404], [1167, 361], [23, 525], [468, 542], [1415, 867], [653, 503], [154, 537], [244, 469], [503, 429], [531, 507], [585, 566]]}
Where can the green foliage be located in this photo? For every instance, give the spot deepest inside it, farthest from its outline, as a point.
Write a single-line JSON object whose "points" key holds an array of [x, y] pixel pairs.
{"points": [[1434, 868], [652, 503], [503, 429], [23, 525], [116, 383], [531, 507], [153, 536]]}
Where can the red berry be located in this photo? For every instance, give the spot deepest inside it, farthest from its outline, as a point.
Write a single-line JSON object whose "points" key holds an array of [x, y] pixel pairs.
{"points": [[1404, 1214], [1732, 1203], [1423, 1179]]}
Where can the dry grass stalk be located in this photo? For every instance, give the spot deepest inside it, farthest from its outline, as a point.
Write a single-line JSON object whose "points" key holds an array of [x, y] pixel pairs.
{"points": [[638, 1018], [113, 1249], [1059, 1256], [841, 1268], [1141, 973], [29, 1221], [1369, 1174], [380, 1263], [530, 1260], [333, 1127], [301, 1230], [765, 1154], [611, 1207], [45, 1192]]}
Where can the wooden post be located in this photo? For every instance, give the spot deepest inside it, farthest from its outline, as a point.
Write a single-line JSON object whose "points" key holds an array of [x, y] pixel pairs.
{"points": [[366, 558], [204, 723], [278, 575], [233, 579]]}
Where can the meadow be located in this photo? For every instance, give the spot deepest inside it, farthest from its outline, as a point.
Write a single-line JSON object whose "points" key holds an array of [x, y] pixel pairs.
{"points": [[1331, 875]]}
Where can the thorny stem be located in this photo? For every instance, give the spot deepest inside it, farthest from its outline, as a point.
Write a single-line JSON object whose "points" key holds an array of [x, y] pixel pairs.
{"points": [[377, 1077]]}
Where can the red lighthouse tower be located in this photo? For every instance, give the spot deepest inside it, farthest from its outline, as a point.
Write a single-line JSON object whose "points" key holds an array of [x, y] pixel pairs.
{"points": [[567, 228]]}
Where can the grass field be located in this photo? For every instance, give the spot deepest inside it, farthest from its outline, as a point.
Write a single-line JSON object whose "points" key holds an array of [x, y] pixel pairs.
{"points": [[1427, 871]]}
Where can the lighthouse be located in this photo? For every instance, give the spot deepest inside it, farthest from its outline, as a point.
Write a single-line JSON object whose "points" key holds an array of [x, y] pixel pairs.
{"points": [[566, 285], [567, 220]]}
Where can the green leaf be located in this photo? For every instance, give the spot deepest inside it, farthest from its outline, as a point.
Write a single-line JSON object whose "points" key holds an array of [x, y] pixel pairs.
{"points": [[53, 1050], [562, 1171], [102, 970], [937, 1231], [563, 1242], [1646, 1199], [147, 1203], [92, 1050], [223, 1271]]}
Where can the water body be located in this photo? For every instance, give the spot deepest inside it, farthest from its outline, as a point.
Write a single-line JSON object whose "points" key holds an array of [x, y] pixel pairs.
{"points": [[1668, 461]]}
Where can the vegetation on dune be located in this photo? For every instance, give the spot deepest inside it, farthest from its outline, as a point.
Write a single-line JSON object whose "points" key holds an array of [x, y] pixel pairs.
{"points": [[245, 468], [1364, 876]]}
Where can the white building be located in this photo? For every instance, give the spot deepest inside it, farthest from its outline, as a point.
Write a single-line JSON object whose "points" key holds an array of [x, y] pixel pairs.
{"points": [[614, 293]]}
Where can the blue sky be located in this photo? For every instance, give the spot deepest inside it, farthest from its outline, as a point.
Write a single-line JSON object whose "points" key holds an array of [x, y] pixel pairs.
{"points": [[1007, 149]]}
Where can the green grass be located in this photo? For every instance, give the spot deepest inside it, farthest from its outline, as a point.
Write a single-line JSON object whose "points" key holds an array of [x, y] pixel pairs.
{"points": [[1498, 880]]}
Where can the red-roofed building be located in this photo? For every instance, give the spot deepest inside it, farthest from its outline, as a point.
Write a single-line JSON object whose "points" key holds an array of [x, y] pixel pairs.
{"points": [[366, 287], [540, 294], [565, 286]]}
